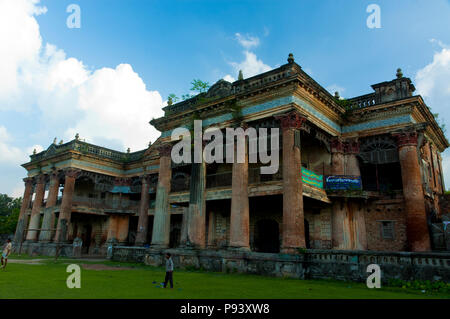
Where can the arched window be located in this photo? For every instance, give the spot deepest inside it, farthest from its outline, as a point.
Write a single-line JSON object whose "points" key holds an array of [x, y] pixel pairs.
{"points": [[380, 167]]}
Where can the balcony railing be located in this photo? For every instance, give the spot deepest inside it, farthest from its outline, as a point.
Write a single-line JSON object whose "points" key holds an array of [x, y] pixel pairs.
{"points": [[104, 203], [255, 176], [363, 101], [219, 180]]}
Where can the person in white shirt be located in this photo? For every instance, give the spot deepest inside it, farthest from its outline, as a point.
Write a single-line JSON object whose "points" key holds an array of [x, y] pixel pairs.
{"points": [[6, 251], [169, 271]]}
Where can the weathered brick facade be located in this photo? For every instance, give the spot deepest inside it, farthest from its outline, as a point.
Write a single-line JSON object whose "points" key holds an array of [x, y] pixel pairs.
{"points": [[362, 174]]}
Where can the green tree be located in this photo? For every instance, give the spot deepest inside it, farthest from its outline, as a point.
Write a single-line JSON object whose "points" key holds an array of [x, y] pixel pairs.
{"points": [[9, 213], [199, 86]]}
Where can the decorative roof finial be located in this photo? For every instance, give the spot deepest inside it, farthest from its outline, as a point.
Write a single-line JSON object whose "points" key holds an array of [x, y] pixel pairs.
{"points": [[336, 95], [149, 143], [240, 76], [128, 150], [77, 136], [399, 73], [54, 140], [34, 152], [291, 58]]}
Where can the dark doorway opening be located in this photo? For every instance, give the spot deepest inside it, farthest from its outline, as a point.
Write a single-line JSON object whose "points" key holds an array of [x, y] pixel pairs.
{"points": [[132, 228], [267, 236], [175, 230], [86, 238], [307, 241]]}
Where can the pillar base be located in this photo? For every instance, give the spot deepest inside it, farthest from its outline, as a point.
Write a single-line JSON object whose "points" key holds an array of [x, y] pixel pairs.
{"points": [[159, 246], [237, 248]]}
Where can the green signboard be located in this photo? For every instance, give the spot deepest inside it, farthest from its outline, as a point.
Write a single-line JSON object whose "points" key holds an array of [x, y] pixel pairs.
{"points": [[312, 178]]}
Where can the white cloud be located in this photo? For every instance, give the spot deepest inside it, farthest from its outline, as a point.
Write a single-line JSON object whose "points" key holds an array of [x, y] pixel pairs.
{"points": [[117, 106], [432, 82], [10, 155], [335, 88], [251, 65], [17, 191], [247, 41], [107, 106], [229, 78]]}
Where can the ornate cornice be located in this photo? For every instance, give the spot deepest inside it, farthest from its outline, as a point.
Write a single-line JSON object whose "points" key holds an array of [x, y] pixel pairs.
{"points": [[351, 146], [72, 172], [337, 145], [291, 120], [406, 138]]}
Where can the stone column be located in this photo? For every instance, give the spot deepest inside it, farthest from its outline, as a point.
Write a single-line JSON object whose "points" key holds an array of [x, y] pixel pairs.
{"points": [[356, 211], [123, 224], [48, 221], [23, 218], [197, 207], [351, 161], [33, 228], [141, 235], [293, 236], [337, 157], [161, 221], [416, 220], [339, 239], [118, 229], [240, 214], [65, 213], [112, 229]]}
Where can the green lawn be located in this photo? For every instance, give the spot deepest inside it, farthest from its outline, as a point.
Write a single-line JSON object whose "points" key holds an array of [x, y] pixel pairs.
{"points": [[48, 280]]}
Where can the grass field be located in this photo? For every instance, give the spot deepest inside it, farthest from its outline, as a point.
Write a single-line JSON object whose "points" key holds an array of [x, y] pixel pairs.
{"points": [[27, 278]]}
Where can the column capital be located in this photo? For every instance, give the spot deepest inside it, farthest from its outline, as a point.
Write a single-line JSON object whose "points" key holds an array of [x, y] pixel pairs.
{"points": [[28, 181], [337, 145], [146, 178], [41, 179], [406, 138], [55, 176], [291, 120], [165, 150], [72, 172], [351, 146]]}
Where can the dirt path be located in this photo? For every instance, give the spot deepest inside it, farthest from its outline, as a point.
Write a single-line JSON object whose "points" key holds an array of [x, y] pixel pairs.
{"points": [[103, 267], [26, 261]]}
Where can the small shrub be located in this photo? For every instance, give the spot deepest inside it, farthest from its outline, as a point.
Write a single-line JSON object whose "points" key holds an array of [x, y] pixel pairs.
{"points": [[436, 286]]}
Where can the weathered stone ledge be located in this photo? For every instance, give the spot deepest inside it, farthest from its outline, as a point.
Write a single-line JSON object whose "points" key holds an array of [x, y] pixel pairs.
{"points": [[312, 264]]}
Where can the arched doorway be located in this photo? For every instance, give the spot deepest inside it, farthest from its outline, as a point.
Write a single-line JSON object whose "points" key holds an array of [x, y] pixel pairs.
{"points": [[267, 236]]}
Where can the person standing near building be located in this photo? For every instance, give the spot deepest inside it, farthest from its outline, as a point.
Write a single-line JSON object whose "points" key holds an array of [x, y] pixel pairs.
{"points": [[6, 251], [169, 271]]}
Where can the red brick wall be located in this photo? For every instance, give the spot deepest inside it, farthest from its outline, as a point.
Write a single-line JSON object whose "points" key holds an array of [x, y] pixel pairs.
{"points": [[386, 210]]}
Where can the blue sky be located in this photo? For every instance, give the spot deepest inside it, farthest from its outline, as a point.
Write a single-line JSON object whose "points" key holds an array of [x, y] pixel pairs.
{"points": [[107, 79]]}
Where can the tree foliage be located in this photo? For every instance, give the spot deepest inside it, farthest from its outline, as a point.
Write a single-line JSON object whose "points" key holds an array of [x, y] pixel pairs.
{"points": [[9, 213], [199, 86]]}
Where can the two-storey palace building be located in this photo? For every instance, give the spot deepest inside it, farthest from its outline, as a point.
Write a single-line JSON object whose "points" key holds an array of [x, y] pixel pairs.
{"points": [[355, 174]]}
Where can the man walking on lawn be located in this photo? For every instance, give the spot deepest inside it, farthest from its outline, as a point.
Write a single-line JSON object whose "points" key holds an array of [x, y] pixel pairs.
{"points": [[6, 252], [169, 271]]}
